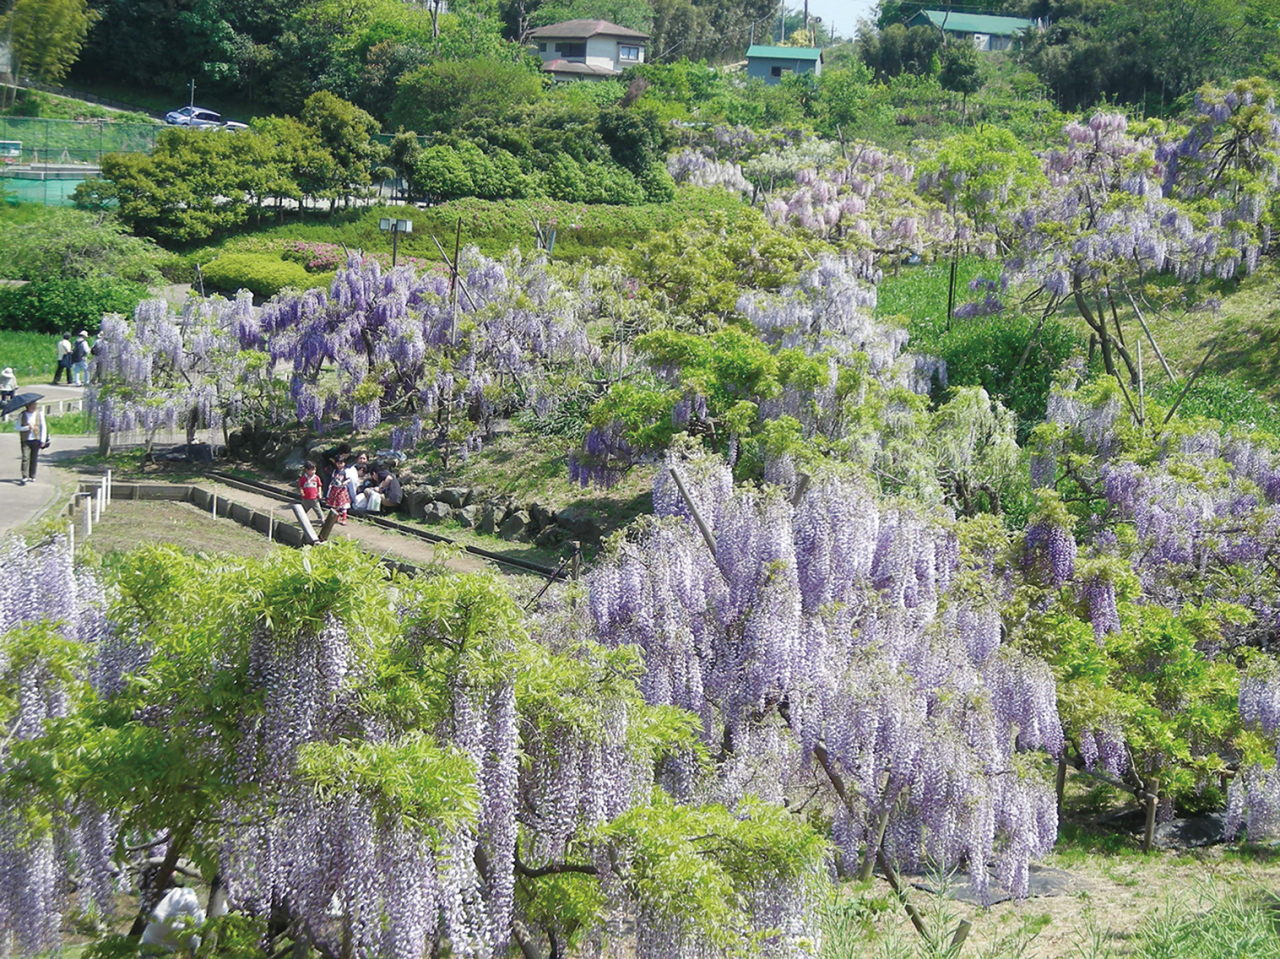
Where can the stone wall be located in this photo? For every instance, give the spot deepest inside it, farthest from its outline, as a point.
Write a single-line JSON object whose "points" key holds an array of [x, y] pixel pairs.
{"points": [[426, 497]]}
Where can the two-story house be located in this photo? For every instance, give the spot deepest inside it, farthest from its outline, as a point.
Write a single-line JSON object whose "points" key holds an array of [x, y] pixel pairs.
{"points": [[587, 49]]}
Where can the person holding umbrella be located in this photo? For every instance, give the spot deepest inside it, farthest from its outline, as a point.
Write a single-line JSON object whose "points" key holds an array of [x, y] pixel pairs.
{"points": [[33, 431]]}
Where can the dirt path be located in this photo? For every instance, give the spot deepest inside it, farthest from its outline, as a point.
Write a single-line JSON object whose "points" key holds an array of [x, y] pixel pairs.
{"points": [[380, 542]]}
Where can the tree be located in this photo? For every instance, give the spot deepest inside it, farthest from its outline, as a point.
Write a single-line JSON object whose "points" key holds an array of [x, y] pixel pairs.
{"points": [[71, 244], [961, 71], [346, 132], [46, 36], [444, 96]]}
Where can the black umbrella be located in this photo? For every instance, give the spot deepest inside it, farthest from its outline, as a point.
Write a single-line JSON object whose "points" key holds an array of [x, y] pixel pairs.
{"points": [[21, 400]]}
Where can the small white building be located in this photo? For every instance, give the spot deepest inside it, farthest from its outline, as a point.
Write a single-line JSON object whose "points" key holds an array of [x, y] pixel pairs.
{"points": [[587, 49]]}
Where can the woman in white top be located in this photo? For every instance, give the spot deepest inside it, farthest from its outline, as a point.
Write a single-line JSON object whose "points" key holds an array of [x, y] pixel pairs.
{"points": [[33, 433], [8, 385]]}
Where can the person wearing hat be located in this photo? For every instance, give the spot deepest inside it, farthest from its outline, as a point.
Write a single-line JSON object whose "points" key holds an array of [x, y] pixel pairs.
{"points": [[80, 358], [8, 386]]}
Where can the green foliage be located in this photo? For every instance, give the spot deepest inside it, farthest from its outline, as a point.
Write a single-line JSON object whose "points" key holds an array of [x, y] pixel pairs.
{"points": [[695, 864], [58, 306], [75, 245], [31, 355], [261, 273], [961, 70], [443, 96], [1221, 398], [45, 36], [699, 270], [1013, 358], [346, 132]]}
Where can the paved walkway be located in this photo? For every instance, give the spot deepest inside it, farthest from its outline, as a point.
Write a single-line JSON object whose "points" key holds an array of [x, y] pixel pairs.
{"points": [[21, 505]]}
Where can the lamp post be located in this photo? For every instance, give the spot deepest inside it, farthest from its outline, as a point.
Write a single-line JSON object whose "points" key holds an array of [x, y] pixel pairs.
{"points": [[395, 228]]}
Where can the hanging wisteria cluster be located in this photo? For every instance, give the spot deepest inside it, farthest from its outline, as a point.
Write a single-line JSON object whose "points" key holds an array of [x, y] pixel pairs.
{"points": [[828, 628], [1127, 201], [444, 360], [1254, 796], [53, 640], [171, 371]]}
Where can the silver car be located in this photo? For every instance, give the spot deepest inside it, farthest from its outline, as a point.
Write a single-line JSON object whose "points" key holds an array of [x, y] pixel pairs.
{"points": [[193, 117]]}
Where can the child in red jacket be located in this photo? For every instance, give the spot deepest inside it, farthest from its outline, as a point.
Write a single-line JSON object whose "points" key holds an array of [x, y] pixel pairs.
{"points": [[309, 483]]}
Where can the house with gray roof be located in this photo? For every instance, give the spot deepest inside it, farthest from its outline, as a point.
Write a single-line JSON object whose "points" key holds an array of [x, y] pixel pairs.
{"points": [[587, 49], [771, 64], [987, 33]]}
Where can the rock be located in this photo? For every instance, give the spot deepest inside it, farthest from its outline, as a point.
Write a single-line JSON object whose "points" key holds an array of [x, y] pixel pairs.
{"points": [[490, 518], [468, 516], [1208, 829], [580, 522], [293, 463], [455, 496], [540, 515], [1042, 882], [415, 502], [515, 526], [437, 512], [552, 536]]}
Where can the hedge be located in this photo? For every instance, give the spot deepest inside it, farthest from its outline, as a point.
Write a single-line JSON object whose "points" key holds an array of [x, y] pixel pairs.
{"points": [[65, 306], [263, 274]]}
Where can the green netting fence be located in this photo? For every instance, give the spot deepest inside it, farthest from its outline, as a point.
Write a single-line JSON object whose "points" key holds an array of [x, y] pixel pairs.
{"points": [[44, 160]]}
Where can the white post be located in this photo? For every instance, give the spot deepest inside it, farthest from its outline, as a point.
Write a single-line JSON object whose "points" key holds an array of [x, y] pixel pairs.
{"points": [[213, 505], [86, 516], [271, 526], [97, 504], [109, 490], [71, 537]]}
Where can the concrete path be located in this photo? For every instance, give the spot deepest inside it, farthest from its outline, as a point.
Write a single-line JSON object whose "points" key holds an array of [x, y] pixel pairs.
{"points": [[22, 506]]}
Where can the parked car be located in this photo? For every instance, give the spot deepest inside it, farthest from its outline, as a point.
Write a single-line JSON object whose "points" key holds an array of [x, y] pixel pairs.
{"points": [[193, 117], [234, 126]]}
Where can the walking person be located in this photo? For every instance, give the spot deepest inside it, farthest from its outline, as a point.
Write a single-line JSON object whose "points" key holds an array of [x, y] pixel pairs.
{"points": [[33, 434], [63, 368], [80, 359]]}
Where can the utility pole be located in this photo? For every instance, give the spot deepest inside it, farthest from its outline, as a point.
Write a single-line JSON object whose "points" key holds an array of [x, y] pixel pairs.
{"points": [[192, 101]]}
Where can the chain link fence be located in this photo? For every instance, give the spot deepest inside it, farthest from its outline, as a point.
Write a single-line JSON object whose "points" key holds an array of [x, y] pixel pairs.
{"points": [[44, 160]]}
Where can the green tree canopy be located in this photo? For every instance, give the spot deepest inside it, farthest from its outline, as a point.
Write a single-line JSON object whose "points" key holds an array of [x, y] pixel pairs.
{"points": [[442, 96], [45, 36]]}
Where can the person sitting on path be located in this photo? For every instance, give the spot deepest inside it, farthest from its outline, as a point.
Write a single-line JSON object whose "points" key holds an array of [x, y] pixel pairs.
{"points": [[381, 490], [355, 479], [63, 369], [309, 484], [80, 359], [33, 434], [8, 386]]}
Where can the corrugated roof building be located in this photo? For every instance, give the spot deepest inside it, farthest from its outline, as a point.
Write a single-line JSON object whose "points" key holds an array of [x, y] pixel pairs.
{"points": [[771, 64], [987, 32]]}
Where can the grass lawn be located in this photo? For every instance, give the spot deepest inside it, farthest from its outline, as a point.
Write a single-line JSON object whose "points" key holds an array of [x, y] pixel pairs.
{"points": [[32, 355], [127, 525]]}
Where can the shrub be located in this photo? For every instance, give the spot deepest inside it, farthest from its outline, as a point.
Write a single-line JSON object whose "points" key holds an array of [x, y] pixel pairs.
{"points": [[263, 274], [989, 353], [60, 306]]}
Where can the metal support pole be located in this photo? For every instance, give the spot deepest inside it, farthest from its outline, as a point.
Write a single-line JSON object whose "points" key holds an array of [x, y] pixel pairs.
{"points": [[98, 496], [109, 487], [213, 506], [71, 538], [86, 516]]}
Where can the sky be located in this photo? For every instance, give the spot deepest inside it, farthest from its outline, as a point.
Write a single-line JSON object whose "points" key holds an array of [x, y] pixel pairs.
{"points": [[844, 14]]}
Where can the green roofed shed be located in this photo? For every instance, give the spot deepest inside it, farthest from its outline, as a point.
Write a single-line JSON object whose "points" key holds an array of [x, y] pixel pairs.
{"points": [[771, 64], [987, 32]]}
